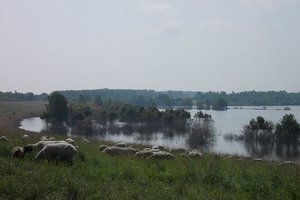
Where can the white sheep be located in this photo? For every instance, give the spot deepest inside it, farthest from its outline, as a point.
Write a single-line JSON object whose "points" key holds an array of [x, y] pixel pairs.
{"points": [[161, 155], [25, 136], [102, 147], [39, 145], [86, 140], [120, 144], [57, 152], [144, 153], [52, 139], [158, 147], [44, 138], [19, 152], [119, 151], [70, 141], [4, 138], [195, 154]]}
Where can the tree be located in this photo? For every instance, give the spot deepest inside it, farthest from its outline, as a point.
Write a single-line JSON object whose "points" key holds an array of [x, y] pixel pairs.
{"points": [[220, 104], [57, 109], [259, 130], [288, 129]]}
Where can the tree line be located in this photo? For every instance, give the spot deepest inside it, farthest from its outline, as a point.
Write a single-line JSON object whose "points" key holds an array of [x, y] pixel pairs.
{"points": [[187, 99]]}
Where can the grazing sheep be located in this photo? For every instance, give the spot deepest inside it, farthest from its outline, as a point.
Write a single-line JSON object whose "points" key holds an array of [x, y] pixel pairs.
{"points": [[130, 151], [70, 141], [86, 140], [119, 151], [44, 138], [120, 144], [4, 138], [158, 147], [52, 139], [57, 152], [178, 150], [194, 154], [39, 145], [102, 147], [143, 154], [19, 152], [25, 136], [163, 155], [288, 163], [258, 160]]}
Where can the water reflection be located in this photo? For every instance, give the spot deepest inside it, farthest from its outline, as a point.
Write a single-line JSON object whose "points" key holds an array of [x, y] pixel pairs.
{"points": [[273, 150], [177, 136]]}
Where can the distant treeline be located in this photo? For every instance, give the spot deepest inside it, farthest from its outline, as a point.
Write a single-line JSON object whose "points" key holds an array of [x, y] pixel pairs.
{"points": [[169, 98], [16, 96]]}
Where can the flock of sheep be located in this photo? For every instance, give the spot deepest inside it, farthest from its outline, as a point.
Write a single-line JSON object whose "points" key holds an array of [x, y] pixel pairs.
{"points": [[48, 148]]}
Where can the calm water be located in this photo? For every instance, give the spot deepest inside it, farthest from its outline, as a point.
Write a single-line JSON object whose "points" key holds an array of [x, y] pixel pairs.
{"points": [[226, 122]]}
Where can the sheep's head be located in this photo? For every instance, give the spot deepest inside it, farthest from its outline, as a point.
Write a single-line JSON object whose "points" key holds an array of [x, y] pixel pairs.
{"points": [[28, 148]]}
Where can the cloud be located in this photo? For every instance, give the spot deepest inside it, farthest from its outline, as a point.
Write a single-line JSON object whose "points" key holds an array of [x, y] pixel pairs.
{"points": [[154, 7]]}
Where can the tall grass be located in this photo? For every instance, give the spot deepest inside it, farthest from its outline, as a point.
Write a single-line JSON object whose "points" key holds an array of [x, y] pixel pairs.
{"points": [[98, 176]]}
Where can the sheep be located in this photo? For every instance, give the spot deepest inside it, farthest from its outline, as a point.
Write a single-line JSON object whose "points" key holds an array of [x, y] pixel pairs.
{"points": [[119, 151], [4, 138], [161, 155], [143, 154], [120, 144], [193, 154], [57, 152], [178, 150], [86, 140], [52, 139], [44, 138], [39, 145], [158, 147], [102, 147], [25, 137], [19, 152], [70, 141]]}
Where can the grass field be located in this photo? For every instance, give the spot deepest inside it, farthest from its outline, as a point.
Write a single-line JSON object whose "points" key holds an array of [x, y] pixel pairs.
{"points": [[11, 112], [98, 176]]}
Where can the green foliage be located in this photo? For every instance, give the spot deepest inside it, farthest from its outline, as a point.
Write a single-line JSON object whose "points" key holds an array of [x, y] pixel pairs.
{"points": [[220, 104], [259, 130], [78, 112], [133, 113], [57, 109], [200, 115], [288, 129]]}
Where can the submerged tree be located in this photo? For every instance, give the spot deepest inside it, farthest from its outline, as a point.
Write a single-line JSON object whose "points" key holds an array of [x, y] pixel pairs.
{"points": [[56, 109], [259, 130], [288, 129], [220, 104]]}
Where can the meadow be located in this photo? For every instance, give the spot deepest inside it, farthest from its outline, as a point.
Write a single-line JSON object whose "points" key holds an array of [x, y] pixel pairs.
{"points": [[95, 175]]}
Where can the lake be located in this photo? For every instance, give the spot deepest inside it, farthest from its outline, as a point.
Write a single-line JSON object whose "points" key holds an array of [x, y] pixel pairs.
{"points": [[226, 122]]}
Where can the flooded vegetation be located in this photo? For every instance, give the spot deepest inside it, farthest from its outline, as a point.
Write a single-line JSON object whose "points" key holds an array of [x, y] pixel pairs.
{"points": [[226, 136]]}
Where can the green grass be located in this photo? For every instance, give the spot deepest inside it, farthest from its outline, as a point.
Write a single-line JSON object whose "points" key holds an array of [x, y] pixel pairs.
{"points": [[98, 176]]}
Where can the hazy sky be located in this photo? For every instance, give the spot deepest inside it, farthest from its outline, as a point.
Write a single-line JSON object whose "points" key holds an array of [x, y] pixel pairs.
{"points": [[199, 45]]}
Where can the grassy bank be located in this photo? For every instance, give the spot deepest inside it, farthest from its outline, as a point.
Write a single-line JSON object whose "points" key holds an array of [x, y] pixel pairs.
{"points": [[98, 176], [11, 112]]}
